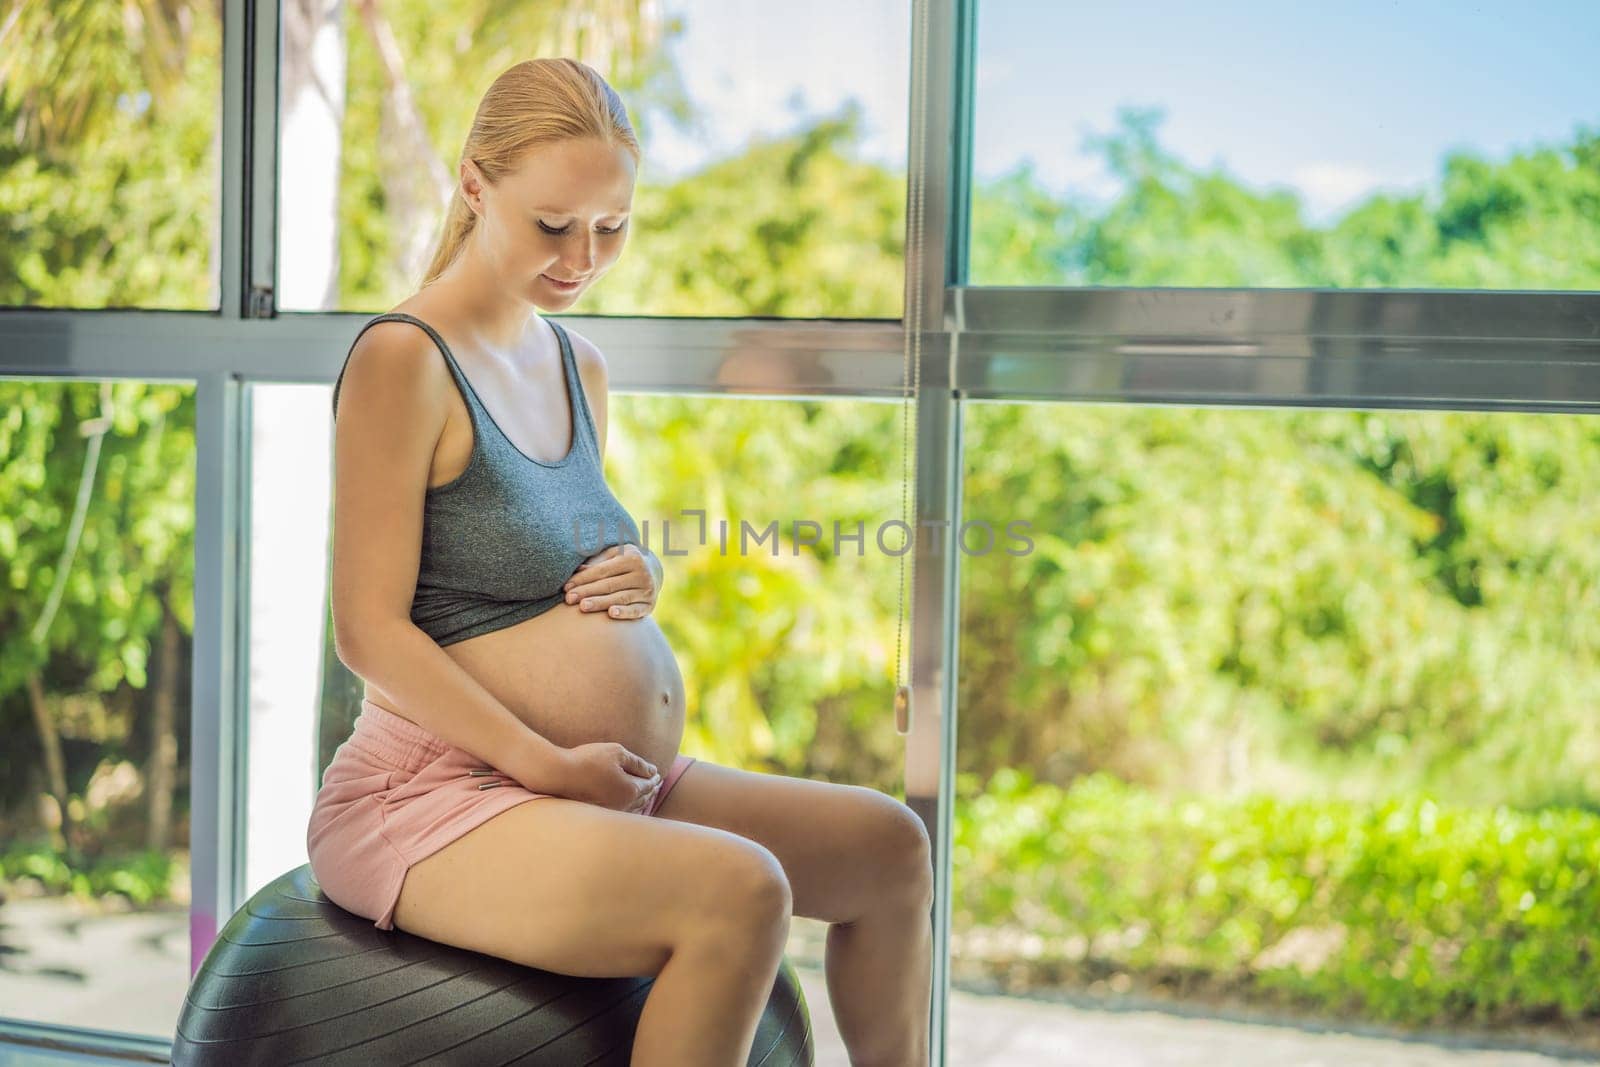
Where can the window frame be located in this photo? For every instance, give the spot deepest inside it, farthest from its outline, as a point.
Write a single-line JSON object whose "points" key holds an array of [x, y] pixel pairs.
{"points": [[1522, 351]]}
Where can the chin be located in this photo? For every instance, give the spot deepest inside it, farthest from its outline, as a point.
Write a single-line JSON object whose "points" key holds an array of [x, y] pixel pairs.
{"points": [[548, 301]]}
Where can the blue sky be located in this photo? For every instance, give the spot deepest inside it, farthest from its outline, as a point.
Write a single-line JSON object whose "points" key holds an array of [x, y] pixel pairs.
{"points": [[749, 63], [1335, 100]]}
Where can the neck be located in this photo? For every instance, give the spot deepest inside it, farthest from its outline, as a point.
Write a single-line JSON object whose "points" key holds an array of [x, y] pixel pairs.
{"points": [[499, 319]]}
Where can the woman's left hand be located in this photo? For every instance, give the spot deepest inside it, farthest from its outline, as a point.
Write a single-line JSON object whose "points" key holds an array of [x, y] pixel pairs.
{"points": [[620, 581]]}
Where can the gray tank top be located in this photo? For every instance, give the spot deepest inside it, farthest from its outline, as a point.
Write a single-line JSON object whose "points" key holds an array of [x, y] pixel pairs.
{"points": [[500, 539]]}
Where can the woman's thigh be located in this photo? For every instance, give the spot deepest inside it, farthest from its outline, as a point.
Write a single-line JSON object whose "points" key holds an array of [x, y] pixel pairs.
{"points": [[846, 849], [575, 888]]}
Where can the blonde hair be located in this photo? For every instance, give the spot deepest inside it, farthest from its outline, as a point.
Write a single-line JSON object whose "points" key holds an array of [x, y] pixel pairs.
{"points": [[537, 101]]}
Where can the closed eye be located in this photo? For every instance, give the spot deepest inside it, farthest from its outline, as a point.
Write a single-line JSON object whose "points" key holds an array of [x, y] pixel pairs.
{"points": [[568, 229]]}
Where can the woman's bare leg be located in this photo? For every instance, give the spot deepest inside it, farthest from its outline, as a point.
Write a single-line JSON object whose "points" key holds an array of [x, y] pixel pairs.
{"points": [[857, 859], [880, 979], [583, 890], [707, 1001]]}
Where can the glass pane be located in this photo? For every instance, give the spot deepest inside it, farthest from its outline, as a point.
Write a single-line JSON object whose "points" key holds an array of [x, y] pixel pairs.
{"points": [[109, 180], [97, 554], [784, 636], [1374, 144], [1281, 716], [773, 137], [290, 493]]}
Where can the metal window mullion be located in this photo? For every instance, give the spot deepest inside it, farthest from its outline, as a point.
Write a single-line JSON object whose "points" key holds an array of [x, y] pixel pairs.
{"points": [[962, 96], [793, 358], [260, 170], [233, 277], [216, 736], [217, 725], [942, 51], [1507, 350], [44, 1043], [1243, 347]]}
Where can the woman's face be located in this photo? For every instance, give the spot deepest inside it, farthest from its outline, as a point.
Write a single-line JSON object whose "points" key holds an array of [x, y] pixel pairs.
{"points": [[561, 216]]}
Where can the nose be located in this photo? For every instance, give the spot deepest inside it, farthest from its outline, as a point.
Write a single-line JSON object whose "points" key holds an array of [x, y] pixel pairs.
{"points": [[579, 260]]}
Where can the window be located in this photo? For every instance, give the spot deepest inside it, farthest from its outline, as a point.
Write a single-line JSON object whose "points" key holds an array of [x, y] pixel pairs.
{"points": [[778, 601], [1371, 145], [97, 485], [1280, 712], [773, 137], [109, 178]]}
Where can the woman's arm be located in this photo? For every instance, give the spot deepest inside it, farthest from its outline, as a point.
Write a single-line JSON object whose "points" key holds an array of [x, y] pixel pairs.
{"points": [[392, 411]]}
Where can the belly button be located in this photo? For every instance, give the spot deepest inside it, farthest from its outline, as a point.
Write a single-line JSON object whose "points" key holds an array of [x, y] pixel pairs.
{"points": [[666, 698]]}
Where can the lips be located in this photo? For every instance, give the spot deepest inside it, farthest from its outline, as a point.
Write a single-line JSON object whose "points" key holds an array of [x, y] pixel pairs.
{"points": [[558, 281]]}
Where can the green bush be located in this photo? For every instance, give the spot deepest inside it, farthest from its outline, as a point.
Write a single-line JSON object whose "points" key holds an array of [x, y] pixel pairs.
{"points": [[1406, 911], [142, 877]]}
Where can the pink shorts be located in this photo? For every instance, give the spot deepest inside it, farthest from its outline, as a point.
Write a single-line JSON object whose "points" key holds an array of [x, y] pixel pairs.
{"points": [[394, 795]]}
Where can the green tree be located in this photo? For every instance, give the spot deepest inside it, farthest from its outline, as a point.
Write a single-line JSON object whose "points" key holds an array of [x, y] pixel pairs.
{"points": [[108, 191], [1526, 223], [412, 93], [96, 541], [1354, 602], [796, 227]]}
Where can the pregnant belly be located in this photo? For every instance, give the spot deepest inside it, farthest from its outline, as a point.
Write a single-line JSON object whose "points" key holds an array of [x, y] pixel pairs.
{"points": [[577, 677]]}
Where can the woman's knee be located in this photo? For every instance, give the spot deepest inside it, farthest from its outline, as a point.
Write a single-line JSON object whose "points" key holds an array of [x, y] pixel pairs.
{"points": [[905, 848], [764, 885], [751, 892]]}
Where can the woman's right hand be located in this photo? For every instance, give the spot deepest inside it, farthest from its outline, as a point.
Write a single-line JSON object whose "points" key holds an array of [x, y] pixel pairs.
{"points": [[608, 774]]}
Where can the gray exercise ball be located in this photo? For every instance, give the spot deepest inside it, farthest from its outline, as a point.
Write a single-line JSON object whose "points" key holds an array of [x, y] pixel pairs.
{"points": [[294, 978]]}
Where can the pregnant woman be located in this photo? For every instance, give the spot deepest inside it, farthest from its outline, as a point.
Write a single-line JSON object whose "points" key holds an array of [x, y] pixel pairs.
{"points": [[493, 596]]}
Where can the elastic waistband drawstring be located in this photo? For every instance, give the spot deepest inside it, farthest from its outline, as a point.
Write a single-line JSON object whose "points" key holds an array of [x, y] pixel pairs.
{"points": [[394, 738]]}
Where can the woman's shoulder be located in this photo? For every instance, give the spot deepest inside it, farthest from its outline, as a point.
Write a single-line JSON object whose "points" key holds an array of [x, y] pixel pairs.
{"points": [[432, 312], [392, 361], [591, 363]]}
